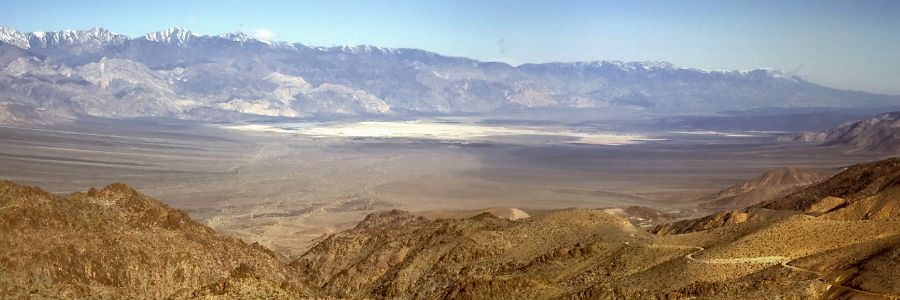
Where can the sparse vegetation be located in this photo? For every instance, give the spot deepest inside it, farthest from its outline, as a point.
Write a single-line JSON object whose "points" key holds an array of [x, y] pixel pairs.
{"points": [[149, 249]]}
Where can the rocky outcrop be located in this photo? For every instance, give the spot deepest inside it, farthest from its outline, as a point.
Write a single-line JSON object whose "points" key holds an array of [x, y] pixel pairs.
{"points": [[719, 219], [399, 255], [806, 136], [880, 134], [861, 192], [768, 186], [117, 243], [856, 182]]}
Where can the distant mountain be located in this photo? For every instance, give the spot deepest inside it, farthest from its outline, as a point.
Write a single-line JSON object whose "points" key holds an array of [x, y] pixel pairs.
{"points": [[805, 136], [176, 36], [175, 73], [770, 185], [879, 134], [116, 243], [781, 120]]}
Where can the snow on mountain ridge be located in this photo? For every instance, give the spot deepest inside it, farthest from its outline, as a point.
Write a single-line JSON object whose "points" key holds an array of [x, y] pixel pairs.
{"points": [[652, 65], [179, 36], [175, 72], [241, 37], [13, 37], [175, 36], [95, 37], [366, 49]]}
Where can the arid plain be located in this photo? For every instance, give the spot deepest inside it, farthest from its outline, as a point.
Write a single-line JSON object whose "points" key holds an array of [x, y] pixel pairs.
{"points": [[286, 190]]}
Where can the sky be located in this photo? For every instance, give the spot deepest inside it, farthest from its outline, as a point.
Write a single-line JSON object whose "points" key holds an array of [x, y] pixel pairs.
{"points": [[851, 44]]}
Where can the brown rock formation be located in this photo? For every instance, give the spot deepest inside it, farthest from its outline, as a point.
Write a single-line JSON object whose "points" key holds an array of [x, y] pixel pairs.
{"points": [[768, 186], [117, 243]]}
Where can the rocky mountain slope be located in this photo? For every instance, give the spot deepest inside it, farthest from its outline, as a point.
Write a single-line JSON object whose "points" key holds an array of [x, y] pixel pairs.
{"points": [[862, 192], [395, 254], [844, 249], [179, 74], [879, 134], [835, 247], [768, 186], [835, 239], [858, 182], [117, 243]]}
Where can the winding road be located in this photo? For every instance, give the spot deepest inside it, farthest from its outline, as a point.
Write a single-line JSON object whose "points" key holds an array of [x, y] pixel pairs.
{"points": [[783, 261]]}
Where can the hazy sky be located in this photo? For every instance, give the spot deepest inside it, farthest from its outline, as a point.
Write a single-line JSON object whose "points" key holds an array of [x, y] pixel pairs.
{"points": [[846, 44]]}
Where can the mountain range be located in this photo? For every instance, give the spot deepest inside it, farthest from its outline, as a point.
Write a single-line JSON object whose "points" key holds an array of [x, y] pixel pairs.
{"points": [[52, 77]]}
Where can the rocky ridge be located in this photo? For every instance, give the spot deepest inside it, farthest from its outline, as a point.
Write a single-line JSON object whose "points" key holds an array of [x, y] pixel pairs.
{"points": [[768, 186], [861, 192], [876, 135], [837, 238], [176, 73], [115, 242]]}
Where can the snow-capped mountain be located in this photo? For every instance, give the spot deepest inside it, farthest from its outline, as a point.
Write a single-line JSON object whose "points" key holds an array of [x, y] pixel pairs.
{"points": [[92, 39], [95, 39], [239, 37], [173, 36], [177, 73], [14, 37]]}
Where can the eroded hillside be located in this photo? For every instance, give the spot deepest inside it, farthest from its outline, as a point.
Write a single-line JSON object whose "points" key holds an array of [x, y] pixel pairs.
{"points": [[768, 186], [116, 243], [836, 239]]}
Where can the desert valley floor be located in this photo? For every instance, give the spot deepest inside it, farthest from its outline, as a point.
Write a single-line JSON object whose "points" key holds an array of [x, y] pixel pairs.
{"points": [[286, 191]]}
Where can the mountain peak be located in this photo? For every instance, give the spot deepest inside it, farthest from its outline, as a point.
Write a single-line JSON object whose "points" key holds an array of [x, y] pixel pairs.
{"points": [[365, 49], [634, 65], [239, 36], [13, 37], [175, 36], [92, 37], [99, 31]]}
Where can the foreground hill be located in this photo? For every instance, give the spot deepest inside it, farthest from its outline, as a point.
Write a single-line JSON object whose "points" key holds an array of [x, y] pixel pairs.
{"points": [[839, 238], [768, 186], [864, 191], [590, 254], [395, 254], [179, 74], [787, 247], [117, 243], [862, 182]]}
